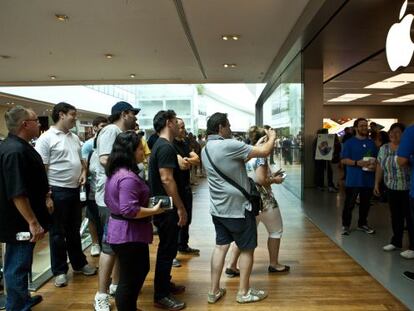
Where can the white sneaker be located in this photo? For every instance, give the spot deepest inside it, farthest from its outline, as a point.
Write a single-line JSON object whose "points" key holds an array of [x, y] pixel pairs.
{"points": [[112, 289], [389, 247], [408, 254], [95, 250], [86, 270], [61, 280], [101, 302]]}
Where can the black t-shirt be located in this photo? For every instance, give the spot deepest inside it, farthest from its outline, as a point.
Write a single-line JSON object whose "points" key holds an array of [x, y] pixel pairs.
{"points": [[163, 155], [22, 173], [183, 149]]}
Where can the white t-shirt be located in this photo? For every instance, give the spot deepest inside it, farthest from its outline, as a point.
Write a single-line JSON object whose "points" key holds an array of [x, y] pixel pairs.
{"points": [[104, 145], [62, 153]]}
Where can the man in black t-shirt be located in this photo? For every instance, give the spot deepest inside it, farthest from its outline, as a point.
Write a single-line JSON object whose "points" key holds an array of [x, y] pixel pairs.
{"points": [[187, 159], [24, 204], [163, 177]]}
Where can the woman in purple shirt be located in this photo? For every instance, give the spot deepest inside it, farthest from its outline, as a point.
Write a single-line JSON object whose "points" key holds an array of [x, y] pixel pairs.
{"points": [[129, 227]]}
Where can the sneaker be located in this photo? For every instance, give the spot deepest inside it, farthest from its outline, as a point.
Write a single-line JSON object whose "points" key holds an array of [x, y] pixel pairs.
{"points": [[101, 302], [390, 247], [332, 189], [409, 275], [232, 273], [95, 250], [408, 254], [253, 295], [61, 280], [189, 251], [112, 289], [345, 230], [213, 298], [366, 229], [176, 263], [86, 270], [169, 303]]}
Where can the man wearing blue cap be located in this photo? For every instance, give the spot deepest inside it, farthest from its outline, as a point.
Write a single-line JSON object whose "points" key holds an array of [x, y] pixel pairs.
{"points": [[123, 118]]}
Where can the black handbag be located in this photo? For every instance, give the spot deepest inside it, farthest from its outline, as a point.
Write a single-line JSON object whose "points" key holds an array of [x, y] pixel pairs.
{"points": [[253, 197]]}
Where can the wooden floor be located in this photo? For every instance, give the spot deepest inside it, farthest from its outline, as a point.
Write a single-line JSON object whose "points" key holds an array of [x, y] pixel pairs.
{"points": [[322, 276]]}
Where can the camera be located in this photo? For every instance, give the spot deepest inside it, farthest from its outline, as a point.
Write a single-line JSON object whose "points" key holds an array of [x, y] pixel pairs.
{"points": [[166, 202]]}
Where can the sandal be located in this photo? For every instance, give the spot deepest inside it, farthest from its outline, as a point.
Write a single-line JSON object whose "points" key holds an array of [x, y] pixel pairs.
{"points": [[272, 269], [232, 273], [213, 298], [253, 295]]}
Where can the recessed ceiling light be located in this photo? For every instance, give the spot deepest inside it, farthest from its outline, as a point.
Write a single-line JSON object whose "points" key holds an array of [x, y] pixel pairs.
{"points": [[230, 37], [233, 65], [386, 85], [226, 65], [52, 77], [109, 56], [229, 65], [62, 17], [348, 97], [402, 77], [400, 99], [132, 75]]}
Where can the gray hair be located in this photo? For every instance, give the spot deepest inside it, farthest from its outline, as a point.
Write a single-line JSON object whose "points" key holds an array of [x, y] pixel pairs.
{"points": [[14, 118]]}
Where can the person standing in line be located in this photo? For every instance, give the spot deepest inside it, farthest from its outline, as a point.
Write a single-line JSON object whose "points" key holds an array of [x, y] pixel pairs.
{"points": [[405, 155], [25, 204], [92, 213], [397, 180], [60, 150], [164, 181], [129, 227], [358, 154], [123, 118], [187, 159], [231, 211]]}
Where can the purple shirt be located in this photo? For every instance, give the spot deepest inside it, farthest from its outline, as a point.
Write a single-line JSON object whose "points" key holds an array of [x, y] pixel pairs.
{"points": [[125, 194]]}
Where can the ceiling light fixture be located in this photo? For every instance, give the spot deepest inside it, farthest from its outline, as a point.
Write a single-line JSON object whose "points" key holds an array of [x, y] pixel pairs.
{"points": [[348, 97], [132, 75], [229, 65], [109, 56], [52, 77], [400, 99], [386, 84], [230, 37], [226, 65], [62, 17]]}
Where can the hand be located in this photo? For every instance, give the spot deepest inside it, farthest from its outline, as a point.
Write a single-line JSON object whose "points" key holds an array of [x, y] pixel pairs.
{"points": [[50, 206], [363, 163], [271, 133], [182, 217], [377, 191], [37, 232], [183, 163], [82, 179], [157, 208], [261, 140], [278, 172], [278, 179]]}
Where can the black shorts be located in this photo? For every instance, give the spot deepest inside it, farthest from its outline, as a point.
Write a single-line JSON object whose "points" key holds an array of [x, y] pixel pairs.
{"points": [[243, 231], [104, 214]]}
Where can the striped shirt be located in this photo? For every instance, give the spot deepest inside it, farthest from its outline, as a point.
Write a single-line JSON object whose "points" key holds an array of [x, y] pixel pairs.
{"points": [[395, 177]]}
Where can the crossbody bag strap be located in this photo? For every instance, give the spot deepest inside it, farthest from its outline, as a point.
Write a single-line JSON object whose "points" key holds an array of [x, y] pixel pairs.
{"points": [[229, 180]]}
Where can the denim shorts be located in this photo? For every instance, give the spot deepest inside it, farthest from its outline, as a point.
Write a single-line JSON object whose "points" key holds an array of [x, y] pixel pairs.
{"points": [[104, 214]]}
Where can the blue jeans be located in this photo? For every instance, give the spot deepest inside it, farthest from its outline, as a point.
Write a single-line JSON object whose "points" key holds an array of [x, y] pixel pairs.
{"points": [[64, 235], [17, 266]]}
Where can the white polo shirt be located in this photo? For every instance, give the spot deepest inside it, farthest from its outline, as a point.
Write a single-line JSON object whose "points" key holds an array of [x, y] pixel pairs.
{"points": [[62, 153]]}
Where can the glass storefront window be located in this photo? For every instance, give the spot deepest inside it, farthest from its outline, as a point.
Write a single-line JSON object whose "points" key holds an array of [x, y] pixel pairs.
{"points": [[283, 111]]}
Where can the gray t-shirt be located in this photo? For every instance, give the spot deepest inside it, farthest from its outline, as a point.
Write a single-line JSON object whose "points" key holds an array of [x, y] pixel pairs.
{"points": [[104, 145], [229, 156]]}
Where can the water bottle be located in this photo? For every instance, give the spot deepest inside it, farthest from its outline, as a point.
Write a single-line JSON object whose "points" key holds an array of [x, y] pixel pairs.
{"points": [[82, 194]]}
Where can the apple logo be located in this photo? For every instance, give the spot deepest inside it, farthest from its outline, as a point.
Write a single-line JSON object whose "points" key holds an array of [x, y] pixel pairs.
{"points": [[399, 47]]}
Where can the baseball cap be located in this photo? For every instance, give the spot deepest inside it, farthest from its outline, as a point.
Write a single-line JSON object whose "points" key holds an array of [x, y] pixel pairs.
{"points": [[123, 106]]}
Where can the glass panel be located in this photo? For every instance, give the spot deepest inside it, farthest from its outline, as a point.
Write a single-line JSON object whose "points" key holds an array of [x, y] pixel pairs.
{"points": [[181, 107], [283, 111], [149, 108]]}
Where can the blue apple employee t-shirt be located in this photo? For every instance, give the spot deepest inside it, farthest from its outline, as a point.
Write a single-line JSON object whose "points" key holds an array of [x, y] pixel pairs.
{"points": [[406, 150], [355, 149]]}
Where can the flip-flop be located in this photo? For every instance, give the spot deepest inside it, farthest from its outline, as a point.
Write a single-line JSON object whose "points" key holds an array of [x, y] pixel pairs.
{"points": [[272, 269]]}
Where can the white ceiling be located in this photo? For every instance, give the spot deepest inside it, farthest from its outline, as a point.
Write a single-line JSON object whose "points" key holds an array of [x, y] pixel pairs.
{"points": [[160, 41]]}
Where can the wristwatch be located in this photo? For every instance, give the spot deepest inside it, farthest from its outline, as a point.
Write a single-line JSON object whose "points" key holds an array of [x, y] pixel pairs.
{"points": [[355, 163]]}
